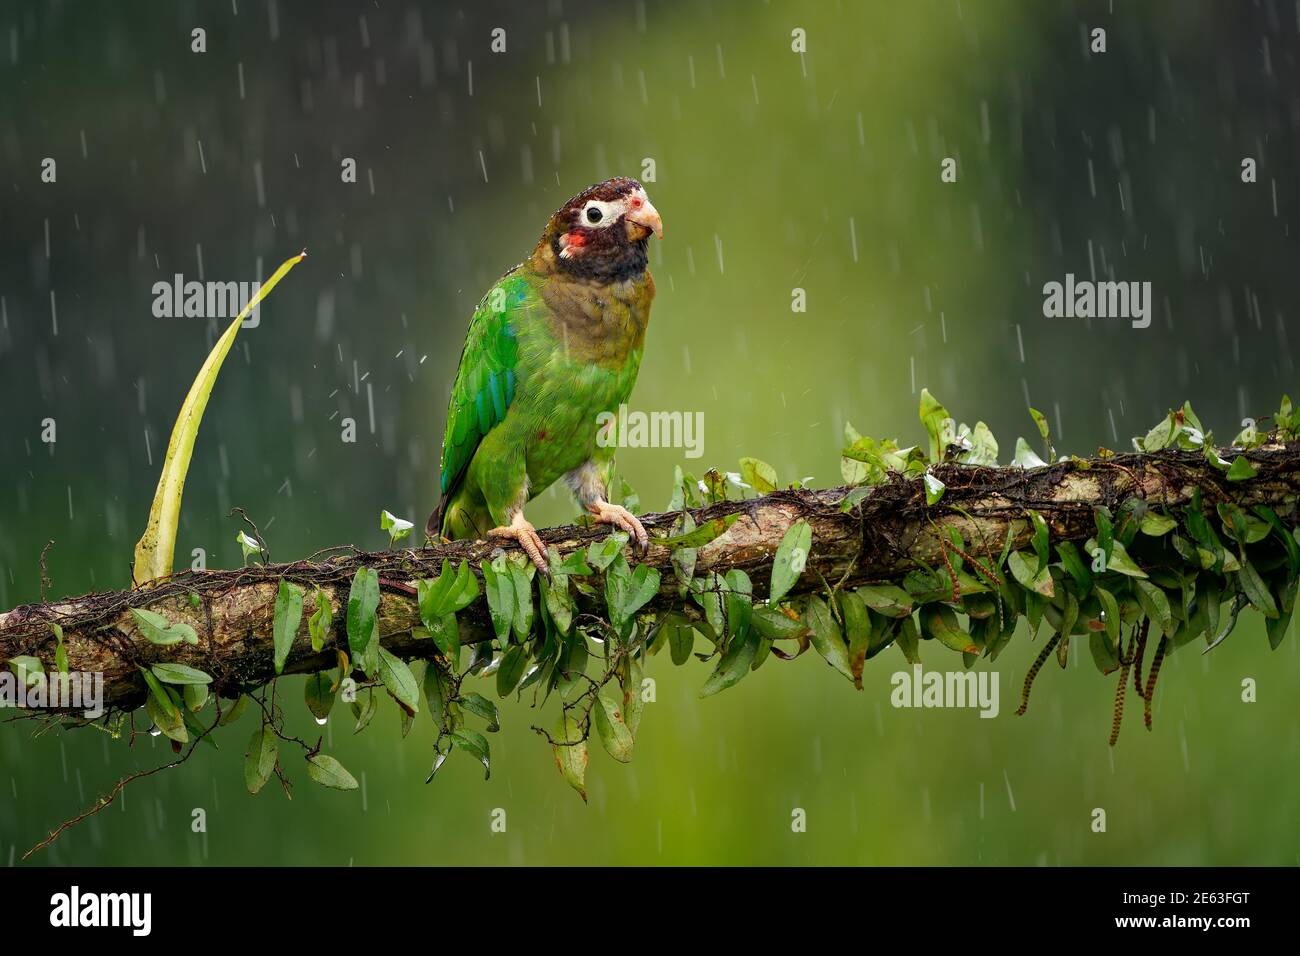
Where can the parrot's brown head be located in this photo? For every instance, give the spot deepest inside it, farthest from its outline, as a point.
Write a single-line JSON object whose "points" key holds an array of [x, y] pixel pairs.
{"points": [[601, 233]]}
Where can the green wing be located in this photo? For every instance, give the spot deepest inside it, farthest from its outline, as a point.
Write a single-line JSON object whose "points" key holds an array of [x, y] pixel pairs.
{"points": [[488, 374]]}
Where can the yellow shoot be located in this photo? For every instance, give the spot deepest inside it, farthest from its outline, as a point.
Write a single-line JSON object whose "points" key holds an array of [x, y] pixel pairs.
{"points": [[156, 547]]}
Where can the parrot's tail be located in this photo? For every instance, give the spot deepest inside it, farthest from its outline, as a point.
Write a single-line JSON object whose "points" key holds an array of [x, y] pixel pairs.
{"points": [[458, 518], [433, 527]]}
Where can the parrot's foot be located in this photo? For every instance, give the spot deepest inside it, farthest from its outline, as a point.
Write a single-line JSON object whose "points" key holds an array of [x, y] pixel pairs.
{"points": [[522, 531], [620, 517]]}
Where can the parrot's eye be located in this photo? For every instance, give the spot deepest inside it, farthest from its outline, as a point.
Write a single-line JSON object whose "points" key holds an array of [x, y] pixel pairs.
{"points": [[594, 214]]}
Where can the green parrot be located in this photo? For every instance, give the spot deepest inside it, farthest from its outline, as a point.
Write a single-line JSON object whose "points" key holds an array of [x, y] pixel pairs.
{"points": [[556, 342]]}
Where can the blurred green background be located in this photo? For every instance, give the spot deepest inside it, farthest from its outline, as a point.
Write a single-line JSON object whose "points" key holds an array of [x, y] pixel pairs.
{"points": [[773, 170]]}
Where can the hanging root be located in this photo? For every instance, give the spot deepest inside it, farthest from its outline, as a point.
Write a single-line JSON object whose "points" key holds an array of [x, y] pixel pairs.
{"points": [[1137, 658], [1124, 663], [944, 545], [1155, 673], [1033, 672]]}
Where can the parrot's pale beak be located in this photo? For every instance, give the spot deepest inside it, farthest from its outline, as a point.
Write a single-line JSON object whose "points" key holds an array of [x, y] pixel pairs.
{"points": [[643, 219]]}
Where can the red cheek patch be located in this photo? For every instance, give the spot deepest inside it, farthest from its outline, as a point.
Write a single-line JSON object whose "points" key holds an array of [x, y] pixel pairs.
{"points": [[571, 244]]}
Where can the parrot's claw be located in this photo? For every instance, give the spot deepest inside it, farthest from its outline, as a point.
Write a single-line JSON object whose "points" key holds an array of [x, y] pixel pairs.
{"points": [[522, 531], [620, 517]]}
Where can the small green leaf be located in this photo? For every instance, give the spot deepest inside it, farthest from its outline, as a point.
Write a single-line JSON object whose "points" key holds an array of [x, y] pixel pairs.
{"points": [[321, 622], [633, 700], [179, 674], [681, 641], [1162, 435], [248, 545], [328, 772], [450, 592], [1025, 456], [734, 664], [523, 591], [1286, 536], [260, 757], [195, 695], [826, 636], [613, 731], [768, 621], [195, 726], [511, 671], [618, 586], [26, 668], [399, 680], [1256, 590], [480, 706], [1044, 431], [759, 475], [500, 590], [235, 712], [984, 447], [887, 599], [288, 615], [643, 586], [1023, 569], [1040, 539], [318, 695], [558, 601], [167, 717], [854, 498], [909, 640], [1241, 469], [1110, 616], [707, 590], [571, 753], [1068, 619], [445, 632], [1075, 565], [476, 745], [791, 559], [575, 563], [158, 630], [600, 554], [397, 528], [697, 538], [363, 603], [1278, 627], [1040, 421], [1103, 651], [1155, 604], [934, 488], [857, 630], [940, 623], [465, 591], [60, 651], [159, 693], [1156, 525], [933, 416], [437, 688], [1122, 563], [739, 597], [364, 712]]}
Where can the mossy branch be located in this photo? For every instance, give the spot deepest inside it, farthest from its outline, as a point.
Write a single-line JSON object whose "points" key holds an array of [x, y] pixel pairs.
{"points": [[880, 538]]}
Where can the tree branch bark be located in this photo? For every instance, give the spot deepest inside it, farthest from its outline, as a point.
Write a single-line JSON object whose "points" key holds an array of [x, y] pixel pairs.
{"points": [[881, 538]]}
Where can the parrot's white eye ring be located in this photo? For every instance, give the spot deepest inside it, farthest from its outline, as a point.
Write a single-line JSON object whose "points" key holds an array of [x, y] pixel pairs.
{"points": [[599, 215]]}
